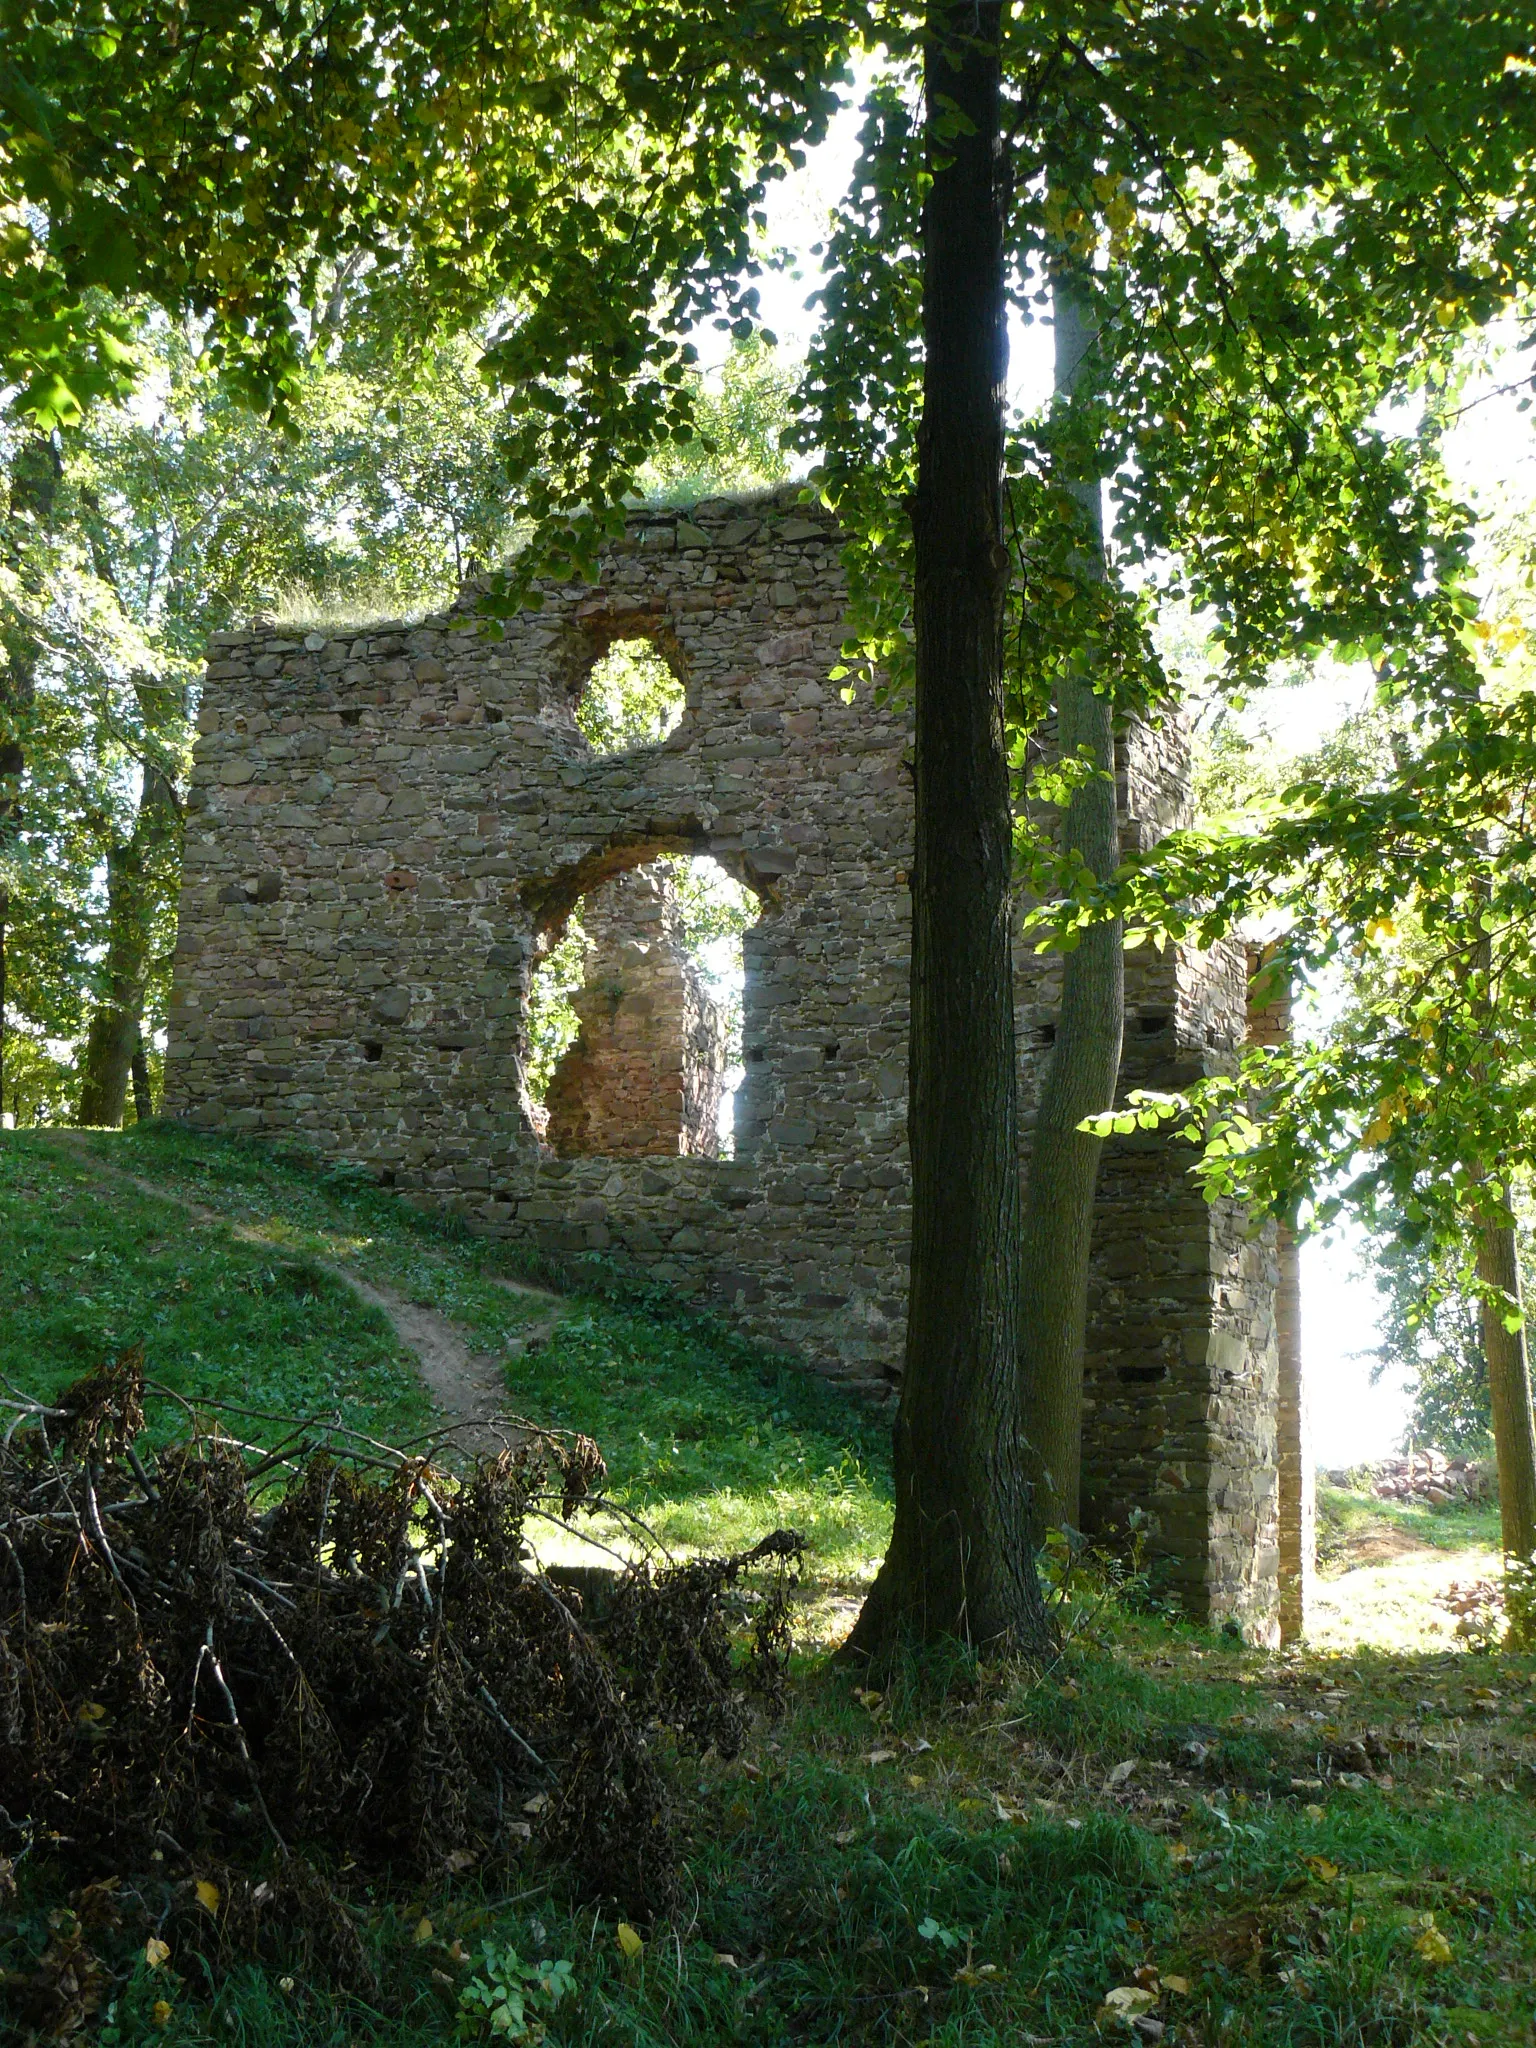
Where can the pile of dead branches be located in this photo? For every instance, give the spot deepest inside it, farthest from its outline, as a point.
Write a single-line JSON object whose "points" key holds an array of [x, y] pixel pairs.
{"points": [[273, 1676]]}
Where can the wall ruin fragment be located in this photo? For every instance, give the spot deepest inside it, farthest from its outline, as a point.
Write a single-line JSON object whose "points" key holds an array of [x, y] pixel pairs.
{"points": [[389, 824]]}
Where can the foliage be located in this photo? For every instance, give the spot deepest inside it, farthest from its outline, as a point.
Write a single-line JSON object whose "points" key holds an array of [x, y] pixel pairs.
{"points": [[173, 519], [1276, 248], [594, 178], [496, 2003], [631, 699], [552, 1021], [742, 424], [1431, 1333]]}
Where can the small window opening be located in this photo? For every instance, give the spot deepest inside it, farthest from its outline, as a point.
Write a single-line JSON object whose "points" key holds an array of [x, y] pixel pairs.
{"points": [[1046, 1035], [1153, 1021], [372, 1049], [631, 698], [352, 716], [1141, 1375], [387, 1177], [635, 1016]]}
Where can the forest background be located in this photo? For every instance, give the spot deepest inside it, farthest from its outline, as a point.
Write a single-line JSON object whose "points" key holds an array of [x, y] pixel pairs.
{"points": [[181, 512]]}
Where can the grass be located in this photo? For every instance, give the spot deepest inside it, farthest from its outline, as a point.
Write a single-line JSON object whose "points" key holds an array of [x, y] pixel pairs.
{"points": [[1285, 1850], [712, 1441], [1352, 1524]]}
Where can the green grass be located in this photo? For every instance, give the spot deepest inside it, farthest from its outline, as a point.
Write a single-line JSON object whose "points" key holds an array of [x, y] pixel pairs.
{"points": [[970, 1867], [1347, 1518], [711, 1440], [91, 1267]]}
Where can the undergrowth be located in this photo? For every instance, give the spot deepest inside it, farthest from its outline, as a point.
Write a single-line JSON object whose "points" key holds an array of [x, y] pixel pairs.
{"points": [[1213, 1844]]}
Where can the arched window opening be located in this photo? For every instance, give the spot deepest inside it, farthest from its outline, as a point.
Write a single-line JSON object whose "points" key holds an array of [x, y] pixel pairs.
{"points": [[632, 698], [635, 1016]]}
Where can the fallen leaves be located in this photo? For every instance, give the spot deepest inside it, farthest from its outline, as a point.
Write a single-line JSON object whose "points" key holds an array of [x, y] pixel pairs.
{"points": [[631, 1945]]}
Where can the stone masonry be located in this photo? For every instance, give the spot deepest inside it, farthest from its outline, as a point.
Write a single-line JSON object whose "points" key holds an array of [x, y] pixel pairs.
{"points": [[645, 1075], [388, 826]]}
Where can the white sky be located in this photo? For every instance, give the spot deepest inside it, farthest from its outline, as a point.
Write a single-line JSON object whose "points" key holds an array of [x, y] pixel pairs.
{"points": [[1492, 448]]}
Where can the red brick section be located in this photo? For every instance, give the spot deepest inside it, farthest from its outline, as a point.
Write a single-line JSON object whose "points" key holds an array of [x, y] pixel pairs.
{"points": [[643, 1078]]}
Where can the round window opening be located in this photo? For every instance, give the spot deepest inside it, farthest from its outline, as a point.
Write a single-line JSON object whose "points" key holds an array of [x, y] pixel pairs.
{"points": [[631, 699]]}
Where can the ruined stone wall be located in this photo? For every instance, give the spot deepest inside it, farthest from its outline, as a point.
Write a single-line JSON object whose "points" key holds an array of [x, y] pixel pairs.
{"points": [[386, 827], [645, 1074]]}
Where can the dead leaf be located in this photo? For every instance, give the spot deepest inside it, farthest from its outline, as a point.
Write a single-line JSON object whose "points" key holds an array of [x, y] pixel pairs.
{"points": [[880, 1756], [725, 1959], [156, 1952], [1179, 1986], [537, 1803], [1119, 1775], [1126, 2002], [1321, 1868], [208, 1895], [630, 1943], [160, 2012], [1432, 1946], [915, 1744], [423, 1930]]}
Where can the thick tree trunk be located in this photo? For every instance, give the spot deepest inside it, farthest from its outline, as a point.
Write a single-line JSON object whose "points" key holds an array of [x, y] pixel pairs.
{"points": [[961, 1562], [1514, 1425], [1084, 1064]]}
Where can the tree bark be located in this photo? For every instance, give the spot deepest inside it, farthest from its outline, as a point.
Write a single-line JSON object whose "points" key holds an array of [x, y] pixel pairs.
{"points": [[36, 470], [136, 874], [1514, 1425], [1084, 1065], [143, 1096], [961, 1562]]}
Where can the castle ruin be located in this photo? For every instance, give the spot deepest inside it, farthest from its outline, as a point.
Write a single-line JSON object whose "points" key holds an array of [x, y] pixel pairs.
{"points": [[390, 825]]}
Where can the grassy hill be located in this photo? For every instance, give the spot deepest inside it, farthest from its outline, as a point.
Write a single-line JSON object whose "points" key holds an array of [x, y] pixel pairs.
{"points": [[1163, 1836]]}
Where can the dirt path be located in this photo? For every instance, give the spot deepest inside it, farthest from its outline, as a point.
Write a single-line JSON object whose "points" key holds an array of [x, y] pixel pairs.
{"points": [[466, 1386]]}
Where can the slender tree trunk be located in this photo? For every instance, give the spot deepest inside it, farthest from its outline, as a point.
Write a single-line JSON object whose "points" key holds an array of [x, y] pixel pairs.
{"points": [[35, 473], [1514, 1426], [114, 1028], [1084, 1064], [961, 1562], [143, 1097], [136, 876]]}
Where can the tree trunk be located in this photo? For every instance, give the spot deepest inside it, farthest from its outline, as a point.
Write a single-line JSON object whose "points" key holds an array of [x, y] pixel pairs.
{"points": [[961, 1562], [143, 1098], [1084, 1064], [114, 1027], [136, 875], [1514, 1426], [36, 470]]}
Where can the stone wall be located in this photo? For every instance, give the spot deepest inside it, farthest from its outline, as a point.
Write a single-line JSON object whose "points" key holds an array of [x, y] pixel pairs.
{"points": [[387, 826]]}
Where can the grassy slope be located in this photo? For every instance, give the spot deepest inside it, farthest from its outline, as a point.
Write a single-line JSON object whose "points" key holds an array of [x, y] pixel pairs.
{"points": [[709, 1439], [977, 1870]]}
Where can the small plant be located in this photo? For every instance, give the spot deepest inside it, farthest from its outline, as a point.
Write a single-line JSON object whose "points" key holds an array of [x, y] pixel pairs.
{"points": [[502, 2002]]}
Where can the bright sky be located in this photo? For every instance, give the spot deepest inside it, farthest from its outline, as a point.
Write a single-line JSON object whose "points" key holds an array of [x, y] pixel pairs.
{"points": [[1492, 449]]}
